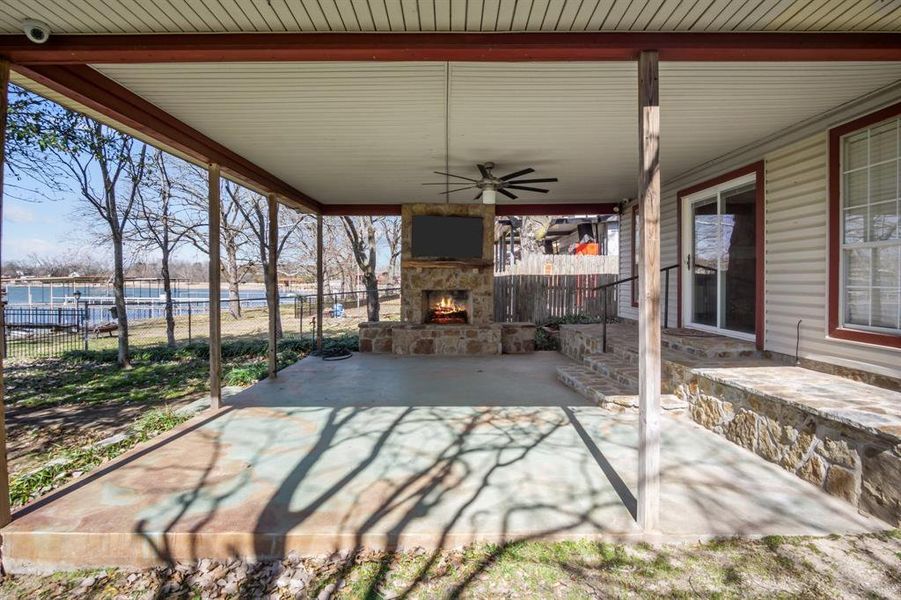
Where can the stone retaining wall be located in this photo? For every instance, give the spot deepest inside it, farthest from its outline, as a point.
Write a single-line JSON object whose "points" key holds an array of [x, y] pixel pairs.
{"points": [[859, 467], [392, 337]]}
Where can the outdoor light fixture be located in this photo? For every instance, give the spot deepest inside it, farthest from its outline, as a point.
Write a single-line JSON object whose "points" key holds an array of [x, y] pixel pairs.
{"points": [[77, 295], [489, 195]]}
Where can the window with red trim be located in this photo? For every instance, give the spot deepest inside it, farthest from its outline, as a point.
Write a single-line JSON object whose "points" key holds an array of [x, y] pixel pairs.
{"points": [[869, 228]]}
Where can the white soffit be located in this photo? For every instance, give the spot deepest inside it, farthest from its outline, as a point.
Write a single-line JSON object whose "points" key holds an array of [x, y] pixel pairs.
{"points": [[373, 132], [173, 16]]}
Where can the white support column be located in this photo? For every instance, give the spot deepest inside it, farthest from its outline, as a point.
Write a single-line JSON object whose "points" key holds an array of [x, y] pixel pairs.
{"points": [[319, 281], [4, 469], [215, 291], [649, 293], [272, 277]]}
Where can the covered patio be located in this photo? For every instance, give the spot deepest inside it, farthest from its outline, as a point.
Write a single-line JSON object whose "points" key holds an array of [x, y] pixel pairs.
{"points": [[387, 452], [383, 451]]}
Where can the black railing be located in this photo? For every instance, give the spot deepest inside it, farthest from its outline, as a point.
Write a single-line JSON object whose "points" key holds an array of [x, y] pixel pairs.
{"points": [[665, 270], [353, 299], [35, 332]]}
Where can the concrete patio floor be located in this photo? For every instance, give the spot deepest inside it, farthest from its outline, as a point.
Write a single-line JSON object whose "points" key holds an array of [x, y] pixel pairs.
{"points": [[381, 451]]}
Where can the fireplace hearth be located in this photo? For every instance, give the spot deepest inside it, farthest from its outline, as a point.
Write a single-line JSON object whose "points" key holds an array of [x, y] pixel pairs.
{"points": [[445, 307]]}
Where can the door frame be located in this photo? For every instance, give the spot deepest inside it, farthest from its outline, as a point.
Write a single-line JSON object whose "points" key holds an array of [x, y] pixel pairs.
{"points": [[747, 174]]}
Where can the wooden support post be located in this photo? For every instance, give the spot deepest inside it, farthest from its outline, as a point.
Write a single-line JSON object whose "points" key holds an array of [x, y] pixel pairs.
{"points": [[319, 282], [648, 293], [215, 291], [4, 469], [272, 277]]}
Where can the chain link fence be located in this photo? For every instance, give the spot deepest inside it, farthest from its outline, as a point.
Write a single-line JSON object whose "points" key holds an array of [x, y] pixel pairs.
{"points": [[38, 331]]}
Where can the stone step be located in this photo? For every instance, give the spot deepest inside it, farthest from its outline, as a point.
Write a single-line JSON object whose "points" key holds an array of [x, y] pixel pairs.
{"points": [[609, 393], [615, 368]]}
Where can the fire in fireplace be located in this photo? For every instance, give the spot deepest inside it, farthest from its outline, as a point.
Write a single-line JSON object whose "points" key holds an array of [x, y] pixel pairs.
{"points": [[446, 307]]}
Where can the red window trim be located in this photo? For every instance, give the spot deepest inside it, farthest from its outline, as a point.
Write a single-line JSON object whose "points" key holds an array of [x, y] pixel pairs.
{"points": [[760, 214], [634, 284], [836, 330]]}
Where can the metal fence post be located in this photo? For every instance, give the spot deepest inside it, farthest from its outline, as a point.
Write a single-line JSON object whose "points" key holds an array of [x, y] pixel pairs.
{"points": [[86, 319], [189, 321], [604, 325]]}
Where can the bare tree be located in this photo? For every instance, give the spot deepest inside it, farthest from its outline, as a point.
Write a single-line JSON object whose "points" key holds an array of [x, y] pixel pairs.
{"points": [[236, 264], [162, 221], [361, 232], [391, 226], [255, 211]]}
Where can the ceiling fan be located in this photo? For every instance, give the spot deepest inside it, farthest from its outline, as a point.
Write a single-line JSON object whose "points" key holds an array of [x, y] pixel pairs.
{"points": [[490, 184]]}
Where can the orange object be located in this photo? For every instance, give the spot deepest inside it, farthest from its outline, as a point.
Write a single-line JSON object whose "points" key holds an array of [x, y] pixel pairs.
{"points": [[588, 248]]}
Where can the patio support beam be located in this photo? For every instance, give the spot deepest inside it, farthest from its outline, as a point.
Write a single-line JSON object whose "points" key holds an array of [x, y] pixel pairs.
{"points": [[272, 280], [451, 46], [215, 291], [319, 281], [4, 469], [648, 292]]}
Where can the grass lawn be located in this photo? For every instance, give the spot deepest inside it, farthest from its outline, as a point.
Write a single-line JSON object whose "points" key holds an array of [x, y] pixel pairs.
{"points": [[58, 409], [864, 566]]}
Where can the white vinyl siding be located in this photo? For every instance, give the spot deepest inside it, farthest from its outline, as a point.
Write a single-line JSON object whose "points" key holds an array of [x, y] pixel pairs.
{"points": [[668, 229], [797, 247], [796, 257]]}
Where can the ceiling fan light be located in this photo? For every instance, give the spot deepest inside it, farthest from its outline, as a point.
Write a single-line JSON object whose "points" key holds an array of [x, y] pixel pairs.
{"points": [[489, 196]]}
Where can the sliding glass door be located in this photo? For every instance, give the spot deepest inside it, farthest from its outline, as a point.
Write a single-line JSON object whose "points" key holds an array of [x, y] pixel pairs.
{"points": [[720, 263]]}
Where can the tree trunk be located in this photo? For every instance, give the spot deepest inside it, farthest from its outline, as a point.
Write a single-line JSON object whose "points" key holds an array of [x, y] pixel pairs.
{"points": [[272, 288], [167, 289], [233, 275], [119, 295], [372, 296]]}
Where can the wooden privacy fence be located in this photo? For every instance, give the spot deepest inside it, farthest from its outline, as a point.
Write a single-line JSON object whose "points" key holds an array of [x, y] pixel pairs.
{"points": [[562, 264], [537, 298]]}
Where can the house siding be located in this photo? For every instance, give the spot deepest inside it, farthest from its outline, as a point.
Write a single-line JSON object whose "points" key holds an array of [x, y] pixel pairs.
{"points": [[797, 248], [796, 257], [669, 224]]}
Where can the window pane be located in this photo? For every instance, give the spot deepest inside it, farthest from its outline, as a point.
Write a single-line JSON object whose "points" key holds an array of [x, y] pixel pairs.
{"points": [[854, 225], [884, 182], [857, 267], [857, 307], [856, 188], [886, 266], [855, 151], [884, 221], [884, 142], [885, 308]]}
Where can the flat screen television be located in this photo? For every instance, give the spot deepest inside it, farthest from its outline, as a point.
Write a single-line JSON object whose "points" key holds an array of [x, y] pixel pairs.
{"points": [[446, 238]]}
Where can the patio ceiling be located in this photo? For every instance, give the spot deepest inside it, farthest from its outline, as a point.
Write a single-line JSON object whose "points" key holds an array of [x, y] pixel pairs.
{"points": [[372, 133], [169, 16]]}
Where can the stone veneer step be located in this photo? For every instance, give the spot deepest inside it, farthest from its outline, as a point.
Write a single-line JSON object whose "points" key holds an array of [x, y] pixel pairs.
{"points": [[607, 392]]}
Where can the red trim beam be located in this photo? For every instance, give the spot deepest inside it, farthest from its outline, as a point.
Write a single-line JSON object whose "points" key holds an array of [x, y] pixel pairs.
{"points": [[93, 90], [483, 47]]}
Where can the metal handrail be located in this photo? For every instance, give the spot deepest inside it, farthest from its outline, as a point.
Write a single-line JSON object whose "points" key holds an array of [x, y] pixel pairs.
{"points": [[633, 278]]}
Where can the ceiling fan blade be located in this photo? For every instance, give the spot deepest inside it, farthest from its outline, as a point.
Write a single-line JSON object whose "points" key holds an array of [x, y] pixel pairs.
{"points": [[517, 174], [483, 170], [452, 175], [543, 180], [526, 188], [479, 195], [445, 183], [468, 187], [507, 194]]}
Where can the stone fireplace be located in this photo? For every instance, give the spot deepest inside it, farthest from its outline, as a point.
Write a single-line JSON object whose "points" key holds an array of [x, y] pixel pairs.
{"points": [[447, 304]]}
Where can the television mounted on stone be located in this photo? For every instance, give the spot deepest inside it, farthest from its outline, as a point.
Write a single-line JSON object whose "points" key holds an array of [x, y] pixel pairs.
{"points": [[447, 237]]}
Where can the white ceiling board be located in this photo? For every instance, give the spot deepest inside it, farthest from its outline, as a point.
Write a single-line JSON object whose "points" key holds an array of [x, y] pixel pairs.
{"points": [[159, 16], [373, 132], [576, 122]]}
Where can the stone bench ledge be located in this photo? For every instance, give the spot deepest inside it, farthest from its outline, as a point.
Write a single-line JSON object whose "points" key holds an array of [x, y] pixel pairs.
{"points": [[858, 405]]}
